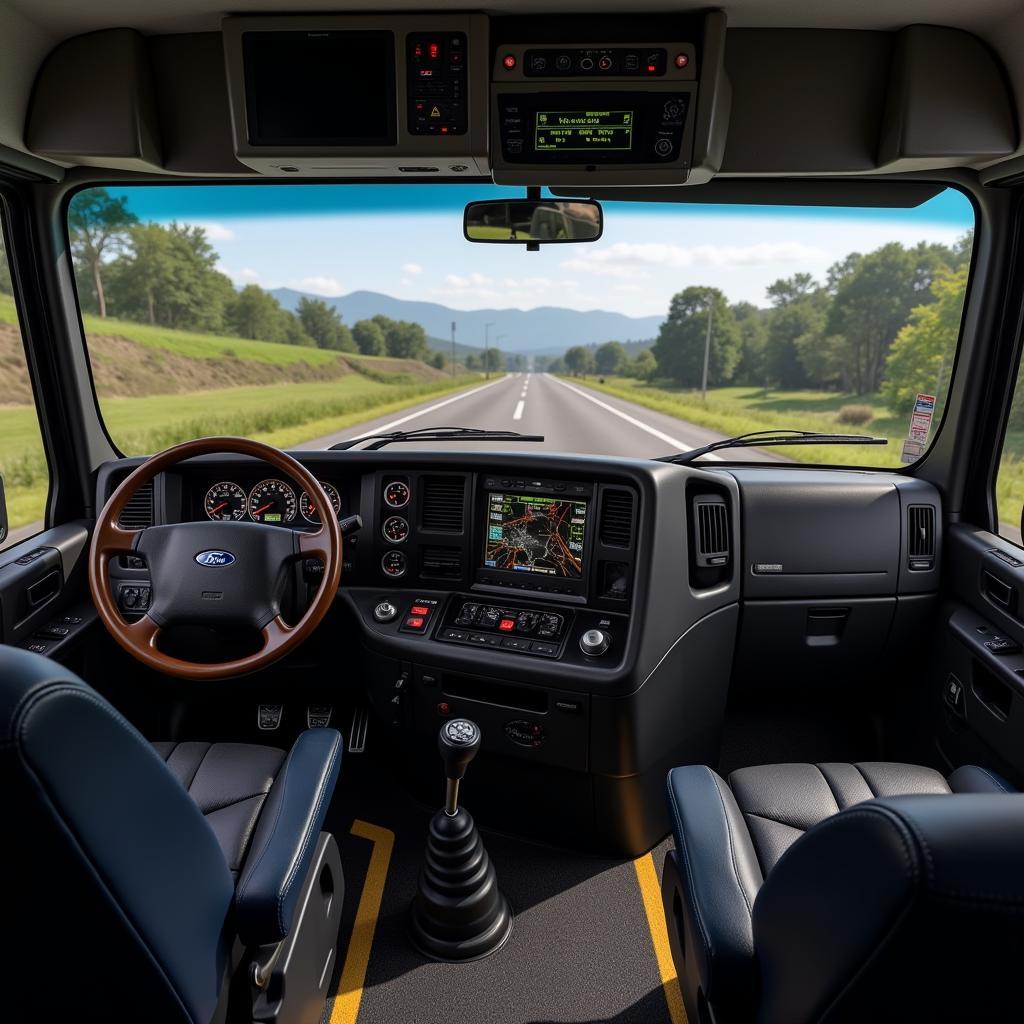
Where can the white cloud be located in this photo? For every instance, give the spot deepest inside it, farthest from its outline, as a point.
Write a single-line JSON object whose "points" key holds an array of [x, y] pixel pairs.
{"points": [[216, 232], [241, 277], [329, 286], [412, 269], [627, 259]]}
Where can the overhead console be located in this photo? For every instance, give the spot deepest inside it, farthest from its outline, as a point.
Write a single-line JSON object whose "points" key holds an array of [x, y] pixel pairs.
{"points": [[614, 112], [325, 96]]}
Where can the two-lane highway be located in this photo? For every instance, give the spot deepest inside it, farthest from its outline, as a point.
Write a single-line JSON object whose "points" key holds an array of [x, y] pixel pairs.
{"points": [[572, 417]]}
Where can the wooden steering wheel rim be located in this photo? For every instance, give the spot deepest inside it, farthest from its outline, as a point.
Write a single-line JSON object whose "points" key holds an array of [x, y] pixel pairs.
{"points": [[139, 639]]}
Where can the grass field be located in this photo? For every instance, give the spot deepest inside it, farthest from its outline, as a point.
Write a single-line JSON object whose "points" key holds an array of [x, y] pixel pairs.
{"points": [[738, 410], [282, 414]]}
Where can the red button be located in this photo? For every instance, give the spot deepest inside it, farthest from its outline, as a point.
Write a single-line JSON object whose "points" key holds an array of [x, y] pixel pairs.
{"points": [[509, 61], [444, 708], [419, 609], [507, 625], [682, 60], [414, 622]]}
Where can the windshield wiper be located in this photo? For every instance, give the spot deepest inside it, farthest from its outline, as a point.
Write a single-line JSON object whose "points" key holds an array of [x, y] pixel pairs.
{"points": [[378, 441], [766, 438]]}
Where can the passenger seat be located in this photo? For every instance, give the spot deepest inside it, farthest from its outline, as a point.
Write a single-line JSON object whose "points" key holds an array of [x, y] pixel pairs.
{"points": [[803, 892]]}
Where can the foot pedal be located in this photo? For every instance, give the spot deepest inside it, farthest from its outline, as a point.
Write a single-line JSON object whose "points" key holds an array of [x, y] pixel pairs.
{"points": [[318, 716], [360, 727], [268, 716]]}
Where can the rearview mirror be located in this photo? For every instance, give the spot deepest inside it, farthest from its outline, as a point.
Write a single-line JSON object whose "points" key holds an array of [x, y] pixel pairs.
{"points": [[533, 221]]}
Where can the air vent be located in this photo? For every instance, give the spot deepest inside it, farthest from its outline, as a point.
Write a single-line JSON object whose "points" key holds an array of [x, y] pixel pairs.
{"points": [[441, 563], [616, 522], [921, 537], [444, 503], [138, 513], [711, 519]]}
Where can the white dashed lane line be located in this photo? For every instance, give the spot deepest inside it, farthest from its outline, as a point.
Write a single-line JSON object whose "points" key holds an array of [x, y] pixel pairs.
{"points": [[518, 414]]}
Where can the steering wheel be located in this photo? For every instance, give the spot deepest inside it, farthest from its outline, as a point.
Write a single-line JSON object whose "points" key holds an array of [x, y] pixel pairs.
{"points": [[227, 574]]}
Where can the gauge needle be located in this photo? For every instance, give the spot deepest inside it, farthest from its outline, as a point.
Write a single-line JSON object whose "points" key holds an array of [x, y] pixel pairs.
{"points": [[214, 511], [262, 508]]}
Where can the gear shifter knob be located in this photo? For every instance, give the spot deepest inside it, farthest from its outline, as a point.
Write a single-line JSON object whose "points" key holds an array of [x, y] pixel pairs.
{"points": [[458, 742]]}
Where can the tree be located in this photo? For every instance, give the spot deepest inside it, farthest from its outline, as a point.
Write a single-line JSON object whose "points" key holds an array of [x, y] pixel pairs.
{"points": [[921, 357], [406, 340], [99, 224], [323, 324], [369, 337], [579, 361], [474, 361], [679, 349], [644, 366], [438, 361], [610, 358], [494, 360], [753, 336], [792, 327], [257, 314]]}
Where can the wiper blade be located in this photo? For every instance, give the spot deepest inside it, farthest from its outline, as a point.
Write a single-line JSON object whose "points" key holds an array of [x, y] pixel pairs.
{"points": [[767, 438], [377, 441]]}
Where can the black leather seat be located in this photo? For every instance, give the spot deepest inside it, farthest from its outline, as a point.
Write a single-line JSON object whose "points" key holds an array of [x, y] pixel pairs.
{"points": [[833, 892], [142, 879]]}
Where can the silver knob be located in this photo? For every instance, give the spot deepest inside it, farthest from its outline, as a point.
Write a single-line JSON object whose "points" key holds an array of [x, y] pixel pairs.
{"points": [[595, 642], [385, 611]]}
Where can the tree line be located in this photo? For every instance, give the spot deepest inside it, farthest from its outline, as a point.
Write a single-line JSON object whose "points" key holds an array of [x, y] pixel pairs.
{"points": [[883, 322], [167, 276]]}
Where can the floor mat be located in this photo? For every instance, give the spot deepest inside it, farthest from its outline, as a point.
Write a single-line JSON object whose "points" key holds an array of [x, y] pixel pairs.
{"points": [[581, 948]]}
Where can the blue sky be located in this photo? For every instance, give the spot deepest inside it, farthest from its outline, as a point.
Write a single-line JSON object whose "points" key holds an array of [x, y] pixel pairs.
{"points": [[407, 241]]}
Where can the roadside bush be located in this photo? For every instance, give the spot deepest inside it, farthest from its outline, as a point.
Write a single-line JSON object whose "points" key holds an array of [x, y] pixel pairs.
{"points": [[855, 415]]}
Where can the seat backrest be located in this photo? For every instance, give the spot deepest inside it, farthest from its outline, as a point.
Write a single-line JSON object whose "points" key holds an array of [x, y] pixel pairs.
{"points": [[906, 908], [118, 897]]}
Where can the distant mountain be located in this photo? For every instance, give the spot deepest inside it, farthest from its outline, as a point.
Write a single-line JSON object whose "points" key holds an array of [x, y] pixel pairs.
{"points": [[546, 330]]}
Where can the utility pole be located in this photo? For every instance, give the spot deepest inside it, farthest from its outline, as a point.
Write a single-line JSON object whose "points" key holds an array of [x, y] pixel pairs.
{"points": [[453, 348], [487, 353], [707, 353]]}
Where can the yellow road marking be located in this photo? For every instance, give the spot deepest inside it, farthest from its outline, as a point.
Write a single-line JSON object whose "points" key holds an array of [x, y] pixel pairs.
{"points": [[650, 890], [357, 959]]}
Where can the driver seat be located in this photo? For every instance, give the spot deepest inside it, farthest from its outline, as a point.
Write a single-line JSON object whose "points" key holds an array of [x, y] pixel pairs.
{"points": [[155, 882]]}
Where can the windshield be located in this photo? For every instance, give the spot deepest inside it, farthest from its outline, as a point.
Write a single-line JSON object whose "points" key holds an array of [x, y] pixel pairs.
{"points": [[304, 315]]}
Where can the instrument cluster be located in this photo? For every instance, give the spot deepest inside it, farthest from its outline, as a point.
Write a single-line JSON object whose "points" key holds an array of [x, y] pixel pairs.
{"points": [[271, 501]]}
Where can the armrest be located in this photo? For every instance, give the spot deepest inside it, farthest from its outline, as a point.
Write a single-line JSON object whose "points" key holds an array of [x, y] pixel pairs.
{"points": [[710, 893], [285, 839]]}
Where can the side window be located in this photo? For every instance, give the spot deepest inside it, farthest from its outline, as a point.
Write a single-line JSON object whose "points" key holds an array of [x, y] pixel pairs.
{"points": [[1010, 478], [23, 466]]}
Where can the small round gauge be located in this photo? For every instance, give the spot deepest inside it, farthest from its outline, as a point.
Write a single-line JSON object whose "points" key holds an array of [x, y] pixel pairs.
{"points": [[272, 501], [394, 564], [225, 501], [395, 529], [397, 494], [307, 503]]}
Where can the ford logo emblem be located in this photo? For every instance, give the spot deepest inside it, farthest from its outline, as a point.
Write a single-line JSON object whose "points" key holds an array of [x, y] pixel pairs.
{"points": [[215, 558]]}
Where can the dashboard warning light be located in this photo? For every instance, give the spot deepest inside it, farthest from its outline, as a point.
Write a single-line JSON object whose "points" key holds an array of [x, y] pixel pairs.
{"points": [[682, 60], [434, 50], [651, 68], [509, 61]]}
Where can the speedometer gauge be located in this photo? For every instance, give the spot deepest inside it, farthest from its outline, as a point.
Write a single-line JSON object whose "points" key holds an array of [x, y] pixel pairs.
{"points": [[225, 501], [308, 504], [272, 501]]}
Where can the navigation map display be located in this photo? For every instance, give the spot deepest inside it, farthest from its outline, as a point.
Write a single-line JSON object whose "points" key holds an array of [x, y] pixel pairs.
{"points": [[535, 534]]}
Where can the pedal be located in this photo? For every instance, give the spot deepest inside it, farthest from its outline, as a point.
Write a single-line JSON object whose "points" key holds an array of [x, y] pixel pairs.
{"points": [[318, 716], [359, 729], [268, 716]]}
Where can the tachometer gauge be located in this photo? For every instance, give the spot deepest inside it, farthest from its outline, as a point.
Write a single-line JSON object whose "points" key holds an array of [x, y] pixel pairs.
{"points": [[395, 529], [272, 501], [307, 503], [397, 494], [225, 501]]}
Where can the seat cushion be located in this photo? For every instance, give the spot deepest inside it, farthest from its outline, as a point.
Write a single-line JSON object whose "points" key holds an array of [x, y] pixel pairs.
{"points": [[780, 802], [229, 783]]}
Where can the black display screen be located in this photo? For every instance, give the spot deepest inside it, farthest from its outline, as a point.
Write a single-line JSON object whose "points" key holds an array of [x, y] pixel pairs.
{"points": [[533, 534], [320, 88]]}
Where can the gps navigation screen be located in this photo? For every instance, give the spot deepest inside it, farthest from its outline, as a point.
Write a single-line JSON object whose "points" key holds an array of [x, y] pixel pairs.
{"points": [[563, 130], [530, 533]]}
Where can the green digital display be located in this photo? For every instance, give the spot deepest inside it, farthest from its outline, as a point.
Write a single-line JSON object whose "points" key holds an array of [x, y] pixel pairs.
{"points": [[563, 131], [272, 517]]}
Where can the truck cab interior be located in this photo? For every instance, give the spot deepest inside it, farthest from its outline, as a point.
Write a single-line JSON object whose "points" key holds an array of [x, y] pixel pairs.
{"points": [[350, 671]]}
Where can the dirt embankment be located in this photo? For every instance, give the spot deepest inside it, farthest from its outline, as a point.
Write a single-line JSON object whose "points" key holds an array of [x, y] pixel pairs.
{"points": [[123, 368]]}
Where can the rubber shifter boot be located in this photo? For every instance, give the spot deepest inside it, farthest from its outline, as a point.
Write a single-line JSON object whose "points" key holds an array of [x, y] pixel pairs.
{"points": [[458, 912]]}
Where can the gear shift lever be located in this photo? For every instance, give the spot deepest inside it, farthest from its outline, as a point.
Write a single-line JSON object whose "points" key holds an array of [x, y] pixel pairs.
{"points": [[458, 741], [458, 912]]}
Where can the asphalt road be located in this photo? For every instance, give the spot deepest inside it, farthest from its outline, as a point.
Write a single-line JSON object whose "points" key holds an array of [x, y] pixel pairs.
{"points": [[572, 417]]}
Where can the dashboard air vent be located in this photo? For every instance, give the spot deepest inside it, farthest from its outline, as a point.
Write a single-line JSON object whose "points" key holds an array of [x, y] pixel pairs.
{"points": [[711, 525], [921, 536], [138, 513], [441, 563], [616, 523], [444, 503]]}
